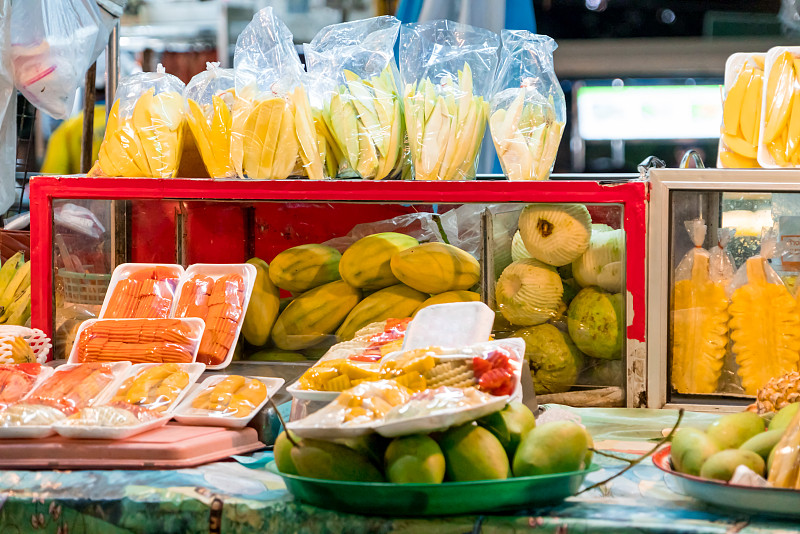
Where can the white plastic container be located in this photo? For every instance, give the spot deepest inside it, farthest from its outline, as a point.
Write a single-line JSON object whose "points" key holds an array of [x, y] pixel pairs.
{"points": [[764, 157], [118, 369], [215, 271], [124, 271], [195, 325], [185, 413], [194, 370], [456, 324], [733, 65]]}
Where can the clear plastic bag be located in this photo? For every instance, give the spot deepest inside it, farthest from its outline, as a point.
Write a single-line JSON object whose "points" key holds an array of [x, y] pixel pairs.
{"points": [[447, 69], [53, 43], [765, 323], [209, 98], [159, 386], [720, 261], [229, 396], [24, 414], [138, 341], [141, 290], [144, 131], [273, 133], [72, 387], [528, 111], [363, 110], [114, 415], [8, 113], [699, 320]]}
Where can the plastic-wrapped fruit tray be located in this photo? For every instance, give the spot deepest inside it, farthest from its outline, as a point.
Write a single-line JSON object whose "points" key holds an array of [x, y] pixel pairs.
{"points": [[447, 498], [774, 501]]}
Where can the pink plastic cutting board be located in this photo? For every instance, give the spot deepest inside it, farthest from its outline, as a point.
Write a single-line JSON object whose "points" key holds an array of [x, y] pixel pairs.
{"points": [[169, 446]]}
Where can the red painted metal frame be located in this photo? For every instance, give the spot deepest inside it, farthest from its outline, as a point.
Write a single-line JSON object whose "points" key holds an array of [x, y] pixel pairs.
{"points": [[44, 189]]}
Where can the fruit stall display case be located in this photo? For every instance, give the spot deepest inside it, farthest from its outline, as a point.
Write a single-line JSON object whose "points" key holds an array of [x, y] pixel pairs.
{"points": [[189, 221], [723, 326]]}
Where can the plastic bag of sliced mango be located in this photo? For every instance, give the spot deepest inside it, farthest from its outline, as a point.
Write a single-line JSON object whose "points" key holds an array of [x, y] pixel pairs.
{"points": [[273, 135], [209, 98], [361, 111], [144, 131]]}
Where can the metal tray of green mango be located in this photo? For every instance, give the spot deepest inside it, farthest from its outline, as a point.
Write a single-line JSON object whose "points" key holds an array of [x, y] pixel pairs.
{"points": [[448, 498], [771, 501]]}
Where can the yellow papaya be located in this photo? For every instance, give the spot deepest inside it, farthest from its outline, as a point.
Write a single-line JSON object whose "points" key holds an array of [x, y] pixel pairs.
{"points": [[394, 302], [366, 263], [263, 308], [276, 355], [450, 296], [436, 268], [305, 267], [309, 318]]}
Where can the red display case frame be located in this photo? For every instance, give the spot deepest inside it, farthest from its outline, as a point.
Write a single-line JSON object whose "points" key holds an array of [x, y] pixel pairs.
{"points": [[632, 195]]}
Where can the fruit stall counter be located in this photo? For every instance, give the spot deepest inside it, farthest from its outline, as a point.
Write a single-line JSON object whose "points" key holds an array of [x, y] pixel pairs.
{"points": [[231, 497], [587, 233]]}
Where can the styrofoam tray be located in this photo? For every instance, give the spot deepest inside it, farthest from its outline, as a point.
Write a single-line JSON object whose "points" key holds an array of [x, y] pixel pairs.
{"points": [[311, 394], [188, 415], [763, 156], [124, 270], [216, 270], [732, 66], [76, 431], [312, 431], [425, 424], [195, 371], [197, 325], [26, 432]]}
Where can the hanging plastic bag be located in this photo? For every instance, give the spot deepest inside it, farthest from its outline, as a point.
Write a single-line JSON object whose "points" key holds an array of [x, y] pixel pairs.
{"points": [[209, 98], [363, 110], [273, 134], [8, 114], [699, 320], [53, 43], [447, 69], [765, 324], [720, 261], [528, 111], [144, 131]]}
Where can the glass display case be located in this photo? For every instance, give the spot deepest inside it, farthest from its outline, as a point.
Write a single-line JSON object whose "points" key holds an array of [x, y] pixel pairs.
{"points": [[722, 261], [576, 292]]}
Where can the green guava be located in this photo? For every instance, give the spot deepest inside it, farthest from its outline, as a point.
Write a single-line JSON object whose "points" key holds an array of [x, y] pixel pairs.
{"points": [[554, 359], [595, 320]]}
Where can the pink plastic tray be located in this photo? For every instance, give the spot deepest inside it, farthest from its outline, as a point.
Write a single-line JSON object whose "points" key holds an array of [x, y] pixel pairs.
{"points": [[170, 446]]}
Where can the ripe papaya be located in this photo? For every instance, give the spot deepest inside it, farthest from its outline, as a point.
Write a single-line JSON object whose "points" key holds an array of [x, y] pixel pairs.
{"points": [[309, 318], [436, 268], [394, 302], [366, 263], [263, 308], [450, 296], [305, 267]]}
